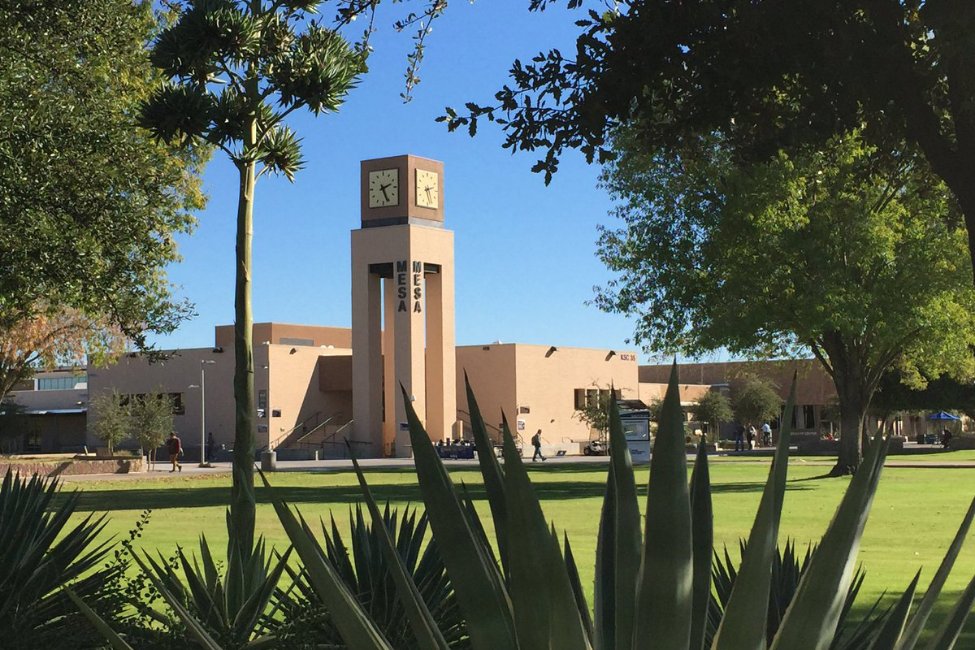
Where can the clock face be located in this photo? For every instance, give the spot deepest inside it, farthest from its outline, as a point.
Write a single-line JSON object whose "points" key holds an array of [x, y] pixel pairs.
{"points": [[384, 188], [427, 189]]}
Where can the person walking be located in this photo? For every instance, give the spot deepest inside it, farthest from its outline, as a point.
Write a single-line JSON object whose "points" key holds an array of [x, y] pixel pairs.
{"points": [[537, 444], [766, 435], [739, 437], [751, 436], [175, 448]]}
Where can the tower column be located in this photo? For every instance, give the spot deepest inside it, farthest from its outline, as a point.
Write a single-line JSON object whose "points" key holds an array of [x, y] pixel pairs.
{"points": [[389, 366], [367, 356], [403, 245]]}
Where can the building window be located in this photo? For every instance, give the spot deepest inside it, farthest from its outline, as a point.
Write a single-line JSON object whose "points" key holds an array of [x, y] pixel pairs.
{"points": [[61, 383], [586, 397], [178, 407], [808, 416], [291, 341], [262, 399], [580, 398]]}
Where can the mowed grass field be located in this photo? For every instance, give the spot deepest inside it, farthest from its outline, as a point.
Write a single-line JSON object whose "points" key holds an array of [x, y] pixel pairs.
{"points": [[914, 516]]}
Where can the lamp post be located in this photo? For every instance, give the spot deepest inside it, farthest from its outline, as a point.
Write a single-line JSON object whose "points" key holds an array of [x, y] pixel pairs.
{"points": [[203, 410]]}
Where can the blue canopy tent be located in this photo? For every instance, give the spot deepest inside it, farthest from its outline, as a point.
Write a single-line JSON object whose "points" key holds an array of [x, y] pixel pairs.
{"points": [[943, 416]]}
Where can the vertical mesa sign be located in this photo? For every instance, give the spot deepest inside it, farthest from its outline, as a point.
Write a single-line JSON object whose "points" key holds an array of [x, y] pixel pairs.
{"points": [[411, 290], [402, 306]]}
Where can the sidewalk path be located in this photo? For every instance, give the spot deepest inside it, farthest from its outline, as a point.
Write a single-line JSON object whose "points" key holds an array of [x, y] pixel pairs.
{"points": [[192, 471]]}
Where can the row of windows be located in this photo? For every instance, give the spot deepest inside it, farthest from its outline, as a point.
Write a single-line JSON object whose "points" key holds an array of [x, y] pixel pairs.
{"points": [[62, 383], [178, 407], [587, 397]]}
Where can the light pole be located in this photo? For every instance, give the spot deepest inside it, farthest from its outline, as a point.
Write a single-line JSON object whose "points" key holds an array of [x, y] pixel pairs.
{"points": [[203, 410]]}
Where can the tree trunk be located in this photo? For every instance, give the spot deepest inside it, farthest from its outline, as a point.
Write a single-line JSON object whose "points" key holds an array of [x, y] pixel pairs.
{"points": [[850, 378], [852, 412], [242, 501]]}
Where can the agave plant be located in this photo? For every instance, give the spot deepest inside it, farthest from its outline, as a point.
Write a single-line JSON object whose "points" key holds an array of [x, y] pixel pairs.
{"points": [[231, 610], [653, 582], [363, 568], [788, 567], [39, 553]]}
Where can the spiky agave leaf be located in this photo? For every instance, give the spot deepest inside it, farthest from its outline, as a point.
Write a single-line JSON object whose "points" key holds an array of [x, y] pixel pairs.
{"points": [[812, 618], [472, 570], [40, 554], [618, 546], [740, 628], [421, 621], [307, 619], [664, 599]]}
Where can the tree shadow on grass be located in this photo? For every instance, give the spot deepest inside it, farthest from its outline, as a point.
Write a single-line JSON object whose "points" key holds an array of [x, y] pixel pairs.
{"points": [[211, 496]]}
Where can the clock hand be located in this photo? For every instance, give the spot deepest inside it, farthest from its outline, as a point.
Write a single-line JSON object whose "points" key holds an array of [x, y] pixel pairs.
{"points": [[382, 188]]}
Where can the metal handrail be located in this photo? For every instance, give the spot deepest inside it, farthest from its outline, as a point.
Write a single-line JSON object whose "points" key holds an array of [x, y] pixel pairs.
{"points": [[299, 425], [317, 427], [331, 438]]}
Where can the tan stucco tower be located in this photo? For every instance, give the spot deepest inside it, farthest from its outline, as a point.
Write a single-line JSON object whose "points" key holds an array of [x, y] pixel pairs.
{"points": [[402, 305]]}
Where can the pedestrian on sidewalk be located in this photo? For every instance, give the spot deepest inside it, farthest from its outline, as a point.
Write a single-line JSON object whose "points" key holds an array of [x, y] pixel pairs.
{"points": [[537, 444], [175, 448]]}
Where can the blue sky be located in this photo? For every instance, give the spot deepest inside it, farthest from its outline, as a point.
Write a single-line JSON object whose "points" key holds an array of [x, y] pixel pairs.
{"points": [[525, 253]]}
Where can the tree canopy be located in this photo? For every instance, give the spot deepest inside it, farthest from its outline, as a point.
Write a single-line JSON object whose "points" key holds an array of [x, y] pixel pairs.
{"points": [[51, 338], [89, 202], [850, 252], [767, 75], [754, 400], [713, 408]]}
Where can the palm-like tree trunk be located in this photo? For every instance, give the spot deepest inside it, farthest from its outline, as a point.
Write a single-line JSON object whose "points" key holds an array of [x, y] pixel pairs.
{"points": [[242, 501]]}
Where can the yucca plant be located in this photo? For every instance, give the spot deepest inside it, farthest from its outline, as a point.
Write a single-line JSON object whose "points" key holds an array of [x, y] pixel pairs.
{"points": [[653, 582], [40, 552], [362, 566]]}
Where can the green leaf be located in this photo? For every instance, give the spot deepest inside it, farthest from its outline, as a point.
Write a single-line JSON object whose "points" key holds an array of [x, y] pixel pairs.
{"points": [[741, 627], [546, 615], [605, 579], [490, 471], [473, 574], [193, 626], [356, 627], [946, 637], [664, 592], [577, 590], [421, 621], [917, 622], [810, 622], [702, 529], [621, 548], [896, 618], [98, 622]]}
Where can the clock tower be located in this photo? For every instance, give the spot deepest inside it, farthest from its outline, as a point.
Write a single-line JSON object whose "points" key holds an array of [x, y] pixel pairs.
{"points": [[402, 305]]}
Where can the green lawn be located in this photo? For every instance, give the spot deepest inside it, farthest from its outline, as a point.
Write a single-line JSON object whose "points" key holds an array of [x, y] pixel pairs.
{"points": [[914, 516]]}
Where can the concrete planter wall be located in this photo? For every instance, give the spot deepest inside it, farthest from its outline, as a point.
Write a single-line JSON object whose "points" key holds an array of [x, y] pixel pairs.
{"points": [[74, 466]]}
